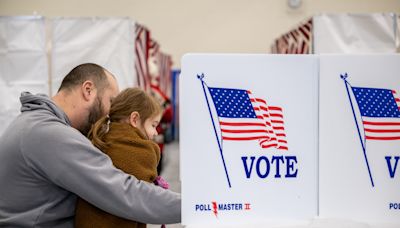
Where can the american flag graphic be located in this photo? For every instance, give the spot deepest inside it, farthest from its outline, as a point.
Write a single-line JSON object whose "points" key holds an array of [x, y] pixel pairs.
{"points": [[380, 112], [245, 117]]}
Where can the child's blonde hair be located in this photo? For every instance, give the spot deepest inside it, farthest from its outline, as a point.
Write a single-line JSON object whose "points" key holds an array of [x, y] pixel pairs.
{"points": [[128, 101]]}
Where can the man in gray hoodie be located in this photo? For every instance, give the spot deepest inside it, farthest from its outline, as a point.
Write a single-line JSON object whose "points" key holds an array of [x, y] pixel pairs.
{"points": [[46, 160]]}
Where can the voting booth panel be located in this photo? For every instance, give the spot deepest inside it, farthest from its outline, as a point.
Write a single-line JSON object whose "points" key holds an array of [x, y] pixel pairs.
{"points": [[359, 137], [355, 33], [248, 139], [24, 65], [341, 33], [108, 42]]}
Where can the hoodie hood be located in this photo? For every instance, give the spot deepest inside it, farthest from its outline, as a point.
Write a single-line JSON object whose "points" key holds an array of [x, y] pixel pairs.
{"points": [[32, 102]]}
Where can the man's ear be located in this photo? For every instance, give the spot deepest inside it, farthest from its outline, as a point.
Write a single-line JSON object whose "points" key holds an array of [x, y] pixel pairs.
{"points": [[88, 90], [134, 119]]}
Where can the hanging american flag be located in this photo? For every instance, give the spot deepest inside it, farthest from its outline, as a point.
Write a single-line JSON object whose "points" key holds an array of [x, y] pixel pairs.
{"points": [[142, 46], [158, 94], [165, 74], [296, 41], [160, 65], [153, 63], [380, 112], [244, 117]]}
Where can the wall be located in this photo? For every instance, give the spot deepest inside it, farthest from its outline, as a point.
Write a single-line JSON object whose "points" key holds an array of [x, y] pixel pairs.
{"points": [[228, 26]]}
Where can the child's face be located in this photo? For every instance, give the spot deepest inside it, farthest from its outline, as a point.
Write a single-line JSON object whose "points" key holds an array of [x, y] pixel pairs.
{"points": [[150, 125]]}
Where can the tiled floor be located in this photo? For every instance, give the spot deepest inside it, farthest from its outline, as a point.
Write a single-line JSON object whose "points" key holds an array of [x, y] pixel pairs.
{"points": [[170, 172]]}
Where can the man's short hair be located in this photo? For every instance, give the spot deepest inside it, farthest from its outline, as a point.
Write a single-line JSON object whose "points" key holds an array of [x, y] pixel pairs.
{"points": [[84, 72]]}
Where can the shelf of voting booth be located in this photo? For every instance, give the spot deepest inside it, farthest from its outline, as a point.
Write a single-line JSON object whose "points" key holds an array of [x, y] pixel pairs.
{"points": [[345, 177]]}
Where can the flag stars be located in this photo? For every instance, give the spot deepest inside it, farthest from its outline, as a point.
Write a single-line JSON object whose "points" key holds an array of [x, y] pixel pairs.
{"points": [[376, 102], [232, 103]]}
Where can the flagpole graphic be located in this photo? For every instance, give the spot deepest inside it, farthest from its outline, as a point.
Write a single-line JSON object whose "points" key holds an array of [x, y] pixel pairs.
{"points": [[200, 77], [344, 77], [243, 117]]}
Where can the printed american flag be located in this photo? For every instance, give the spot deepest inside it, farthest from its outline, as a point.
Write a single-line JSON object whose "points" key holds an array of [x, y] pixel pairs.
{"points": [[244, 117], [380, 112]]}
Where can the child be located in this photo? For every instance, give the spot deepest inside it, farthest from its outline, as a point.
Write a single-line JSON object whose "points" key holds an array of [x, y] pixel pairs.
{"points": [[126, 136]]}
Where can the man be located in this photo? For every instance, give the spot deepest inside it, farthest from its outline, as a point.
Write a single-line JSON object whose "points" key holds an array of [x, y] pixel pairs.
{"points": [[46, 160]]}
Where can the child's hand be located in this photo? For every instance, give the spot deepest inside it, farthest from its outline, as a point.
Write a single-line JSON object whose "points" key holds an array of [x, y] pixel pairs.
{"points": [[161, 182]]}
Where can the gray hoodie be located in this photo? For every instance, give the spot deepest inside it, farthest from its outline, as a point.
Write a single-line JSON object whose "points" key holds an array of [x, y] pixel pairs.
{"points": [[45, 164]]}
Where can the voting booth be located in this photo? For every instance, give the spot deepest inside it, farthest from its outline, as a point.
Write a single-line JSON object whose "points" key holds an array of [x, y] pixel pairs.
{"points": [[359, 137], [37, 52], [105, 41], [341, 33], [290, 140], [23, 60], [248, 139]]}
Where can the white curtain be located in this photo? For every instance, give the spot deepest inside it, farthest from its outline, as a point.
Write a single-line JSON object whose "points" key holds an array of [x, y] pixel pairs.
{"points": [[23, 63], [355, 33], [398, 34], [108, 42], [36, 53]]}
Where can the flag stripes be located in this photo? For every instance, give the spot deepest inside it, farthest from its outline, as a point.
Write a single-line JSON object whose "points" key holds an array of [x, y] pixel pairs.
{"points": [[244, 117], [296, 41], [382, 128], [272, 116], [153, 67], [166, 74], [380, 112], [142, 45]]}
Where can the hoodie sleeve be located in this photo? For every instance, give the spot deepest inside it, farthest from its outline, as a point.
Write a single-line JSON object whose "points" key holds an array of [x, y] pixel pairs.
{"points": [[63, 156]]}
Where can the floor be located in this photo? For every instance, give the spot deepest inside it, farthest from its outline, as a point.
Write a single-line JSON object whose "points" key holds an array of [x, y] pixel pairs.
{"points": [[170, 172]]}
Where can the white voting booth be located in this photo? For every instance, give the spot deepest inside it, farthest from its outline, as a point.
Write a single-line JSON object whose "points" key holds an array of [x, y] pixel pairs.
{"points": [[36, 53], [322, 158], [355, 33], [108, 42], [359, 138], [342, 33], [248, 138], [23, 61]]}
